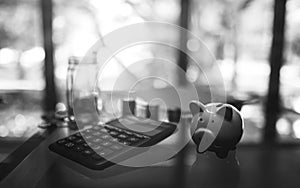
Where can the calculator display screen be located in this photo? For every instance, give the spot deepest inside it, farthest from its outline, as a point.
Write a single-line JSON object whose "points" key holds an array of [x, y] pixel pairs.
{"points": [[146, 126]]}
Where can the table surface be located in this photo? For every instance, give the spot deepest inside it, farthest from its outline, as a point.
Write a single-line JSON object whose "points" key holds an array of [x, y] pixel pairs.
{"points": [[252, 166]]}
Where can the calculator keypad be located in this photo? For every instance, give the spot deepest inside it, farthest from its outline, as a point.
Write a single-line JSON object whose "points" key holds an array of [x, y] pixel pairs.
{"points": [[102, 141]]}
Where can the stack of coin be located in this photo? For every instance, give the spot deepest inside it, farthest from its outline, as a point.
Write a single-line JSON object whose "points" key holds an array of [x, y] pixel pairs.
{"points": [[128, 107], [174, 115]]}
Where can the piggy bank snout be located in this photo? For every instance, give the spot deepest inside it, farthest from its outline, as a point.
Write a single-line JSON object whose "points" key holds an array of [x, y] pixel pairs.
{"points": [[205, 140]]}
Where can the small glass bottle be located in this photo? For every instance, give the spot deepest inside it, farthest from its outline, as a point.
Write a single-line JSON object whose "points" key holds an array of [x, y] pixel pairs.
{"points": [[72, 64]]}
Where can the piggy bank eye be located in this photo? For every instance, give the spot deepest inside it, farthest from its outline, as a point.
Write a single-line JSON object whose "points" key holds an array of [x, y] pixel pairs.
{"points": [[201, 120]]}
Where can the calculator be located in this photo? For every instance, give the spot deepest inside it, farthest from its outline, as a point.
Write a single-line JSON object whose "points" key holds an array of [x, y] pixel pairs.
{"points": [[93, 146]]}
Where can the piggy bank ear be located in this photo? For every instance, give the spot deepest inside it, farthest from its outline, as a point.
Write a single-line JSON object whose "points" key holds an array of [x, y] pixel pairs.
{"points": [[196, 107], [226, 112]]}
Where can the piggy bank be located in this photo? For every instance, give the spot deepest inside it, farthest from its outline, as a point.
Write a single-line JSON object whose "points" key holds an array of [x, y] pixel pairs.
{"points": [[216, 127]]}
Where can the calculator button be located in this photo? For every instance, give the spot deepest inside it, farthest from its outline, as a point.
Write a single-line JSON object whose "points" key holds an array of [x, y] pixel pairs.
{"points": [[104, 130], [69, 145], [118, 140], [96, 133], [79, 141], [88, 137], [106, 144], [85, 145], [126, 143], [113, 139], [133, 139], [105, 152], [62, 141], [116, 147], [96, 140], [87, 152], [105, 136], [88, 131], [97, 148], [113, 133], [78, 148], [71, 138], [122, 136]]}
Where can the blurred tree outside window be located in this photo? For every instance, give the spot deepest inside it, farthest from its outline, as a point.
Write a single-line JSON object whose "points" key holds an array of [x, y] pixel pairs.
{"points": [[288, 126], [239, 34], [21, 54], [79, 24], [21, 72]]}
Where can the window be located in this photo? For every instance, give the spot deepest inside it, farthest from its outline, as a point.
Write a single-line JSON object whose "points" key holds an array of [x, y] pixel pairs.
{"points": [[21, 72]]}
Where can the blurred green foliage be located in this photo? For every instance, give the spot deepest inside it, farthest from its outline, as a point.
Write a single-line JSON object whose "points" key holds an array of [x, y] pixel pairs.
{"points": [[19, 24]]}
